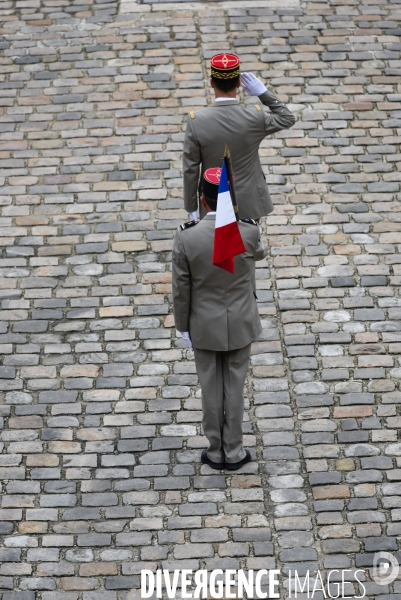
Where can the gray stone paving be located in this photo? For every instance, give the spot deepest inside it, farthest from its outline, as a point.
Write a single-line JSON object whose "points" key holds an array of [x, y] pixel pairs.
{"points": [[100, 404]]}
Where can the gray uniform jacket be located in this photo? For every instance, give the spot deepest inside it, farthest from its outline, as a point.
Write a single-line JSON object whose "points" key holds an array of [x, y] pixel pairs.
{"points": [[243, 129], [218, 308]]}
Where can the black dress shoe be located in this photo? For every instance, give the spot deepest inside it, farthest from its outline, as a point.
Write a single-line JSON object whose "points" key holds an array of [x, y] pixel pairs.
{"points": [[239, 464], [206, 461]]}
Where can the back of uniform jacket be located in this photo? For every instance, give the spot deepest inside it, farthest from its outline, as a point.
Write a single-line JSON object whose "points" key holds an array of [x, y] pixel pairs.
{"points": [[243, 129], [218, 308]]}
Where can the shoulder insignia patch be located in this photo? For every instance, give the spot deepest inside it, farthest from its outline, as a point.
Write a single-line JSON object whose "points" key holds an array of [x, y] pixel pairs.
{"points": [[192, 114], [249, 221], [188, 224], [258, 107]]}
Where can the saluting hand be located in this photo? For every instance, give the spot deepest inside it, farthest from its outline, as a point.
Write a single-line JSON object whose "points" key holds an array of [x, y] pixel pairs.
{"points": [[252, 85]]}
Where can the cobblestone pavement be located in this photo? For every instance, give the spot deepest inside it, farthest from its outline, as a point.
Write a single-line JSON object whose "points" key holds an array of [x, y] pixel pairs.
{"points": [[100, 408]]}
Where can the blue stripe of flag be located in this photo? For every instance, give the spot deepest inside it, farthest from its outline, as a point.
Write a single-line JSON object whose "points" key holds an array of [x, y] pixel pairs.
{"points": [[223, 185]]}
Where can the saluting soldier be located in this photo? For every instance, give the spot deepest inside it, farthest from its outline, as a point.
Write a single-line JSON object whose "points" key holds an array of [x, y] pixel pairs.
{"points": [[217, 315], [242, 128]]}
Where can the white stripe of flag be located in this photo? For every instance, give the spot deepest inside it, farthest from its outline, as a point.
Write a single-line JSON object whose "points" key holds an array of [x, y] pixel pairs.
{"points": [[227, 237]]}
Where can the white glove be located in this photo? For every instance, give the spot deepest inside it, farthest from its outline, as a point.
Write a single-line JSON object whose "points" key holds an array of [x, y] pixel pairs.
{"points": [[252, 85], [187, 338], [193, 215]]}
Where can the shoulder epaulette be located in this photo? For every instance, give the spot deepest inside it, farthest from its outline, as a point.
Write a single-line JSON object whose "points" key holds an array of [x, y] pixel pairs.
{"points": [[188, 224], [192, 114], [257, 107], [250, 221]]}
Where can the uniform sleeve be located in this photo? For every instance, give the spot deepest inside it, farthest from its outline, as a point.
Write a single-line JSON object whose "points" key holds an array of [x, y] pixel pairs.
{"points": [[191, 161], [279, 117], [181, 285]]}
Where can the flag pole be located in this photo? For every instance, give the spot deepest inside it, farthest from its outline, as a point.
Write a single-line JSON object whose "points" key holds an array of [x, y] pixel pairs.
{"points": [[229, 167]]}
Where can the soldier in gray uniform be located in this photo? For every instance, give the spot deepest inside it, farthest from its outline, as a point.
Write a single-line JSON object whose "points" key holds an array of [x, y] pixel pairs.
{"points": [[243, 129], [217, 315]]}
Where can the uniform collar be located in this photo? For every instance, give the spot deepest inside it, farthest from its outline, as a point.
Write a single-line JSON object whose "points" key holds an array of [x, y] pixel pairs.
{"points": [[225, 102]]}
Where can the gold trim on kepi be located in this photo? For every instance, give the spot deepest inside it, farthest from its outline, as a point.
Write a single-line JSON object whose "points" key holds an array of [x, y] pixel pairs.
{"points": [[224, 66]]}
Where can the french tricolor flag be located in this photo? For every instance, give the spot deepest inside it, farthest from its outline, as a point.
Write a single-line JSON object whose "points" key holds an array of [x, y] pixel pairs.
{"points": [[227, 237]]}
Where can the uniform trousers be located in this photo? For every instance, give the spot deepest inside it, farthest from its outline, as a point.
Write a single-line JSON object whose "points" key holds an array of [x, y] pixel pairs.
{"points": [[222, 378]]}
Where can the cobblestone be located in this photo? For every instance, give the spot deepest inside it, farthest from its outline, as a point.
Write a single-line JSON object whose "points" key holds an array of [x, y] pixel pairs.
{"points": [[100, 412]]}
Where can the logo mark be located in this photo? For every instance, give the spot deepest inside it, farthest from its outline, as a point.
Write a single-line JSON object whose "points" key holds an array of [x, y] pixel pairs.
{"points": [[385, 568]]}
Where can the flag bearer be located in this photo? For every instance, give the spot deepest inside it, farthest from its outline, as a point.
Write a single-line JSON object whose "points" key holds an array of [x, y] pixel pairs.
{"points": [[242, 128], [217, 315]]}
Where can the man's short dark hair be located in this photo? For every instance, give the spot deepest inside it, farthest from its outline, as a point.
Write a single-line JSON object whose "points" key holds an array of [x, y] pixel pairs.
{"points": [[211, 202], [225, 85]]}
